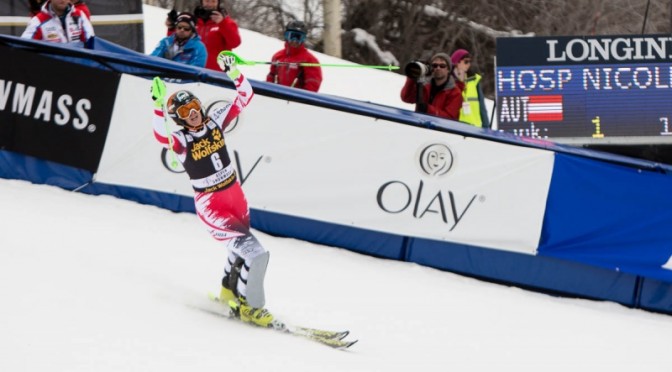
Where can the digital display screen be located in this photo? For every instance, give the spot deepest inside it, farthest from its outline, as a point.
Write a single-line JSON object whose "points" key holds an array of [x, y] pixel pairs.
{"points": [[602, 87]]}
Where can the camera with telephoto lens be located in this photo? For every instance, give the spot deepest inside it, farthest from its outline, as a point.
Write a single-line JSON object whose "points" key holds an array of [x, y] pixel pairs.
{"points": [[202, 13], [416, 70]]}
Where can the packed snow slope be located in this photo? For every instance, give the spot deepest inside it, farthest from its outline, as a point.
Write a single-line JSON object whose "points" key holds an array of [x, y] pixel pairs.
{"points": [[95, 283]]}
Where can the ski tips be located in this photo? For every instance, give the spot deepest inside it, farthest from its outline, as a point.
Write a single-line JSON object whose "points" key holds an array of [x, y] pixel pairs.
{"points": [[335, 343]]}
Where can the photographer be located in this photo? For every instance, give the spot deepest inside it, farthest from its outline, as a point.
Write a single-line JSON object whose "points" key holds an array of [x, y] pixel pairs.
{"points": [[433, 88], [216, 29]]}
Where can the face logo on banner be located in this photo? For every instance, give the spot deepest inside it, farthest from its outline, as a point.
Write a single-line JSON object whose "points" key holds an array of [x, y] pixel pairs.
{"points": [[436, 159], [427, 200]]}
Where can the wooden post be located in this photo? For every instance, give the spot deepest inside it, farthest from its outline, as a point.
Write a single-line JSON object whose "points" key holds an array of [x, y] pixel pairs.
{"points": [[332, 27]]}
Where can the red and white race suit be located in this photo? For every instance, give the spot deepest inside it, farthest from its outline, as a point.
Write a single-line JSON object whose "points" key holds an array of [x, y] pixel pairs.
{"points": [[219, 199]]}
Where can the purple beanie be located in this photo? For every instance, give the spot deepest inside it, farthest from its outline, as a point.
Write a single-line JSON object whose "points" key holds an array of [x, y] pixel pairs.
{"points": [[458, 55]]}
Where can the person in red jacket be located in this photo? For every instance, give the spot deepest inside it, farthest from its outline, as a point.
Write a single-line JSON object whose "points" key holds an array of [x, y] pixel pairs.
{"points": [[215, 27], [441, 95], [285, 68]]}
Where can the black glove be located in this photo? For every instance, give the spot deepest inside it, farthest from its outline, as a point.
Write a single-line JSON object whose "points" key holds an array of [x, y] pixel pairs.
{"points": [[421, 107], [172, 17]]}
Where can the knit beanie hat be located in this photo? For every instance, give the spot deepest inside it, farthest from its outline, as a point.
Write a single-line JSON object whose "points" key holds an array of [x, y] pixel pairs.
{"points": [[187, 18], [459, 55], [443, 56]]}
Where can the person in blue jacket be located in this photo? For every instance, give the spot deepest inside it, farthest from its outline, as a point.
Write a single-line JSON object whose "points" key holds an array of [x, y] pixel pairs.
{"points": [[184, 46]]}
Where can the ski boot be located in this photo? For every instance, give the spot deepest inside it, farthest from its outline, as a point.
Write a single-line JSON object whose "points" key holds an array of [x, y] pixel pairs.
{"points": [[248, 314], [226, 295]]}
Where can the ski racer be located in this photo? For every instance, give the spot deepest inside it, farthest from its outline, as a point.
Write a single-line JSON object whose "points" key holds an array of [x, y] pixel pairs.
{"points": [[219, 199]]}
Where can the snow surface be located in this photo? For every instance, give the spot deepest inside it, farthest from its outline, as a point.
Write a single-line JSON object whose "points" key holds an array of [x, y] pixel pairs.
{"points": [[95, 283]]}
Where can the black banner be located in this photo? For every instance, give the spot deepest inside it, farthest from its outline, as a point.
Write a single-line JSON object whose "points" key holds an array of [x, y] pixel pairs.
{"points": [[54, 110], [586, 89], [584, 50]]}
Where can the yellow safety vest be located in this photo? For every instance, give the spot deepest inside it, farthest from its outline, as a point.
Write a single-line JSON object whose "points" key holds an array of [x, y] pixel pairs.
{"points": [[470, 112]]}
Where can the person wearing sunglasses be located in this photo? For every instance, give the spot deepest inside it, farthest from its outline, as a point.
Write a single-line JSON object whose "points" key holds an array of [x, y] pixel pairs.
{"points": [[437, 94], [217, 30], [285, 64], [473, 109], [184, 45], [219, 199]]}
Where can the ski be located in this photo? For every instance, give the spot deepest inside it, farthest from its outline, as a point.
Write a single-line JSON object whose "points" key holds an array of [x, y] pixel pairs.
{"points": [[334, 335], [333, 339]]}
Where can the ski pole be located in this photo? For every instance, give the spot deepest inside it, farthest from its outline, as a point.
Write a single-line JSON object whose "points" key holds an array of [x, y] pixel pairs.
{"points": [[245, 62], [156, 83]]}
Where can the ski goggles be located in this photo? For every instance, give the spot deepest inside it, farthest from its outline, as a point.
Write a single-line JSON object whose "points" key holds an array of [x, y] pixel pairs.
{"points": [[184, 111], [295, 36]]}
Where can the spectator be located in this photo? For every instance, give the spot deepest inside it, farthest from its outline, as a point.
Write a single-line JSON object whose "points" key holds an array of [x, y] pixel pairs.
{"points": [[184, 45], [220, 203], [439, 95], [60, 22], [81, 6], [285, 68], [217, 30], [473, 109]]}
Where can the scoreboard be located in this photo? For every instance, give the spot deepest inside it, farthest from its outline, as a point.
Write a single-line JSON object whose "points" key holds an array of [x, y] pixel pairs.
{"points": [[591, 89]]}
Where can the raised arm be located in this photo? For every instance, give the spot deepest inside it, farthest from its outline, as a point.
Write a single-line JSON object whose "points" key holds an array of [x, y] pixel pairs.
{"points": [[228, 63]]}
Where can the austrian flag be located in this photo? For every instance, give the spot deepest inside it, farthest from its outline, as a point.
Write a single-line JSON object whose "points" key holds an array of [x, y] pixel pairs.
{"points": [[545, 108]]}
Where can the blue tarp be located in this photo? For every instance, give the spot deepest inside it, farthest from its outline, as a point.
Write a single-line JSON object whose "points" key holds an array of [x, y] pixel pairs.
{"points": [[609, 215]]}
